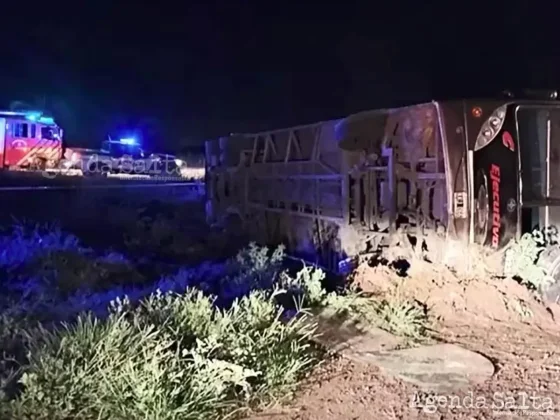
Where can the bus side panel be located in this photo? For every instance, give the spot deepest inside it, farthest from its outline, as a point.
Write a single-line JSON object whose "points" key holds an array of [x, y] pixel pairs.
{"points": [[497, 166], [2, 140]]}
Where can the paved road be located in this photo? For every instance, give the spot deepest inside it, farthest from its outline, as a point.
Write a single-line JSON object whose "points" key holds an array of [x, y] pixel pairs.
{"points": [[27, 179]]}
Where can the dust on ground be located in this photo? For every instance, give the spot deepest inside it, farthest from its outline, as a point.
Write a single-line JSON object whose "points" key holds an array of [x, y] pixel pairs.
{"points": [[498, 318]]}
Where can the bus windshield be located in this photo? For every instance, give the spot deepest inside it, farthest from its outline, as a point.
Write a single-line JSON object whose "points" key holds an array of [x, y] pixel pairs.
{"points": [[539, 136]]}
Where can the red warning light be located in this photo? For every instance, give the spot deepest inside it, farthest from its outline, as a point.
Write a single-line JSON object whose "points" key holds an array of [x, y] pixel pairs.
{"points": [[477, 112]]}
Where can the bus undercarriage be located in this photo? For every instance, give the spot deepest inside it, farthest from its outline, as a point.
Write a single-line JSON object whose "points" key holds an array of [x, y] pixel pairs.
{"points": [[471, 171]]}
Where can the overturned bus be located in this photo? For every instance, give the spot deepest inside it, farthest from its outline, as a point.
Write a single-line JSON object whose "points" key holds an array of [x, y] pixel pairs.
{"points": [[479, 171]]}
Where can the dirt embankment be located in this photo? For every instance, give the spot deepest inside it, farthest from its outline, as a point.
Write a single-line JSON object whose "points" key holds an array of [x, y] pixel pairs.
{"points": [[452, 299], [497, 318]]}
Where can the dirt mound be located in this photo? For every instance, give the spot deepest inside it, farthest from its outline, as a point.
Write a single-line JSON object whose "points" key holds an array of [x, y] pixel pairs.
{"points": [[453, 299], [493, 317]]}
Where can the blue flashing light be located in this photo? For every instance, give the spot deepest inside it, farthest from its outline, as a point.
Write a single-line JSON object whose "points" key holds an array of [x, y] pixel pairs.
{"points": [[37, 116], [46, 120], [33, 116], [128, 141]]}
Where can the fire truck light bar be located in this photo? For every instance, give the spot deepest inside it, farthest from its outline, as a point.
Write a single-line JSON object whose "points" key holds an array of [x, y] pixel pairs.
{"points": [[33, 116], [46, 120]]}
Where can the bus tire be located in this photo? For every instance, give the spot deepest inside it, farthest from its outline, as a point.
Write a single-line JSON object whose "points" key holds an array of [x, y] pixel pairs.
{"points": [[481, 208]]}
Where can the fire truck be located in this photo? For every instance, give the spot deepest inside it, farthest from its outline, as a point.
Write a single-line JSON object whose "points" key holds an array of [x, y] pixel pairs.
{"points": [[32, 141], [29, 140], [481, 171]]}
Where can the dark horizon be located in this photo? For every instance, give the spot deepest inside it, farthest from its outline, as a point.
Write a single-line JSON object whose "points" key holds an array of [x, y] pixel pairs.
{"points": [[184, 74]]}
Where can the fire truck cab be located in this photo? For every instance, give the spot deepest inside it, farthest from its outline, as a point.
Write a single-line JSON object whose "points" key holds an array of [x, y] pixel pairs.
{"points": [[29, 140]]}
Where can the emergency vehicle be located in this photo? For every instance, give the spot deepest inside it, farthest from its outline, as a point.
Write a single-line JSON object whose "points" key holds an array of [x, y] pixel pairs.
{"points": [[123, 156], [29, 140]]}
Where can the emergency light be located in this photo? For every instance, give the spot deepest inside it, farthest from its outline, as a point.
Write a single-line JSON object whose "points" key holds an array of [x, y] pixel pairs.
{"points": [[129, 141], [38, 116], [46, 120]]}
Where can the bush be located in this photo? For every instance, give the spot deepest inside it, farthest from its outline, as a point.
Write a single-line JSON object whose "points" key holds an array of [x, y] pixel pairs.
{"points": [[402, 317], [69, 271], [57, 285], [13, 339], [199, 344], [27, 241], [394, 313], [173, 356], [148, 350], [522, 259], [42, 267]]}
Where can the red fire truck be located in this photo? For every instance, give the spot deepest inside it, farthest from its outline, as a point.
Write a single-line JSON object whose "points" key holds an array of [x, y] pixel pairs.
{"points": [[29, 140]]}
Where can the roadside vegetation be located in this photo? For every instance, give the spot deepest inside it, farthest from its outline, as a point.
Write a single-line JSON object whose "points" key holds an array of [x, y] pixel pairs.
{"points": [[93, 335], [526, 260]]}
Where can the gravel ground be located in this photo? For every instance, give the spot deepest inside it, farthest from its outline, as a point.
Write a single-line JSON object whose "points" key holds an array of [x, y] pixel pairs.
{"points": [[527, 360]]}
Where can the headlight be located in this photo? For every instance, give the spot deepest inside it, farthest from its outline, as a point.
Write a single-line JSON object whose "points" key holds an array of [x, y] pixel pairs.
{"points": [[178, 162], [491, 128]]}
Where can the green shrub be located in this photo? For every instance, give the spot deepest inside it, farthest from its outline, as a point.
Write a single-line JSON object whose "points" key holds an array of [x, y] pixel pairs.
{"points": [[258, 259], [521, 260], [179, 356], [309, 281], [394, 313], [172, 357], [402, 317], [13, 340], [69, 271], [250, 333]]}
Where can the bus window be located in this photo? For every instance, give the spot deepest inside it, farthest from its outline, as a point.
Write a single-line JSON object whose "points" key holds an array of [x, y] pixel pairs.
{"points": [[539, 134]]}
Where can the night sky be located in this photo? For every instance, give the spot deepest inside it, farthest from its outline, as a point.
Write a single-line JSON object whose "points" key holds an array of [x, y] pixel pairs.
{"points": [[183, 73]]}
